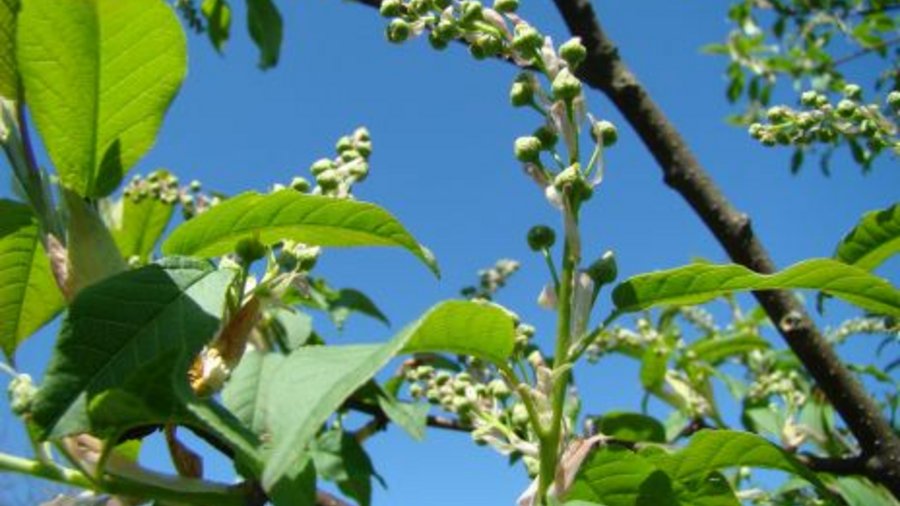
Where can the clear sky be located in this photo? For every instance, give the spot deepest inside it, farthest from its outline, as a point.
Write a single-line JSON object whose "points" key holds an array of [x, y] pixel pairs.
{"points": [[442, 130]]}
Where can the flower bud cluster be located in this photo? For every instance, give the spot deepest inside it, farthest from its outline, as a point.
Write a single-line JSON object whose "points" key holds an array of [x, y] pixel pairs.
{"points": [[164, 187], [786, 384], [491, 280], [21, 392], [864, 325], [820, 121], [336, 177], [297, 257]]}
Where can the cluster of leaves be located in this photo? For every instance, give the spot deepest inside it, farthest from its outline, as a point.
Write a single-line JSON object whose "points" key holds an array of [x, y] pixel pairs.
{"points": [[210, 333], [806, 43]]}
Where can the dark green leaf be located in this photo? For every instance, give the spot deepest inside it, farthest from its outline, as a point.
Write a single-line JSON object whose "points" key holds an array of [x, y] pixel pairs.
{"points": [[633, 427], [218, 21], [715, 351], [264, 24], [138, 225], [9, 77], [340, 458]]}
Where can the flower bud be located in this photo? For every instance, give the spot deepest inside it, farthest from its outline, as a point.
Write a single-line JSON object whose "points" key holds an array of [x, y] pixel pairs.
{"points": [[250, 250], [471, 11], [520, 415], [196, 186], [548, 137], [566, 86], [778, 114], [604, 132], [528, 149], [809, 98], [415, 390], [328, 180], [527, 40], [420, 7], [893, 100], [485, 45], [300, 184], [604, 270], [507, 6], [21, 393], [846, 108], [391, 8], [398, 31], [541, 237], [321, 166], [437, 41], [573, 52], [522, 91], [853, 91], [567, 177], [499, 389], [756, 130]]}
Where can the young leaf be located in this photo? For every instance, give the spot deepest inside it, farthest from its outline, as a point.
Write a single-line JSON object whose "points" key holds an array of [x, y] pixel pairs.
{"points": [[246, 394], [99, 101], [29, 297], [9, 77], [698, 283], [127, 342], [218, 21], [338, 457], [714, 351], [264, 25], [633, 427], [873, 240], [288, 214], [139, 225]]}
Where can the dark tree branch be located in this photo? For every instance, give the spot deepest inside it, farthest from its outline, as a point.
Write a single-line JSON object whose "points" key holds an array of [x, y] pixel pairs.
{"points": [[605, 71]]}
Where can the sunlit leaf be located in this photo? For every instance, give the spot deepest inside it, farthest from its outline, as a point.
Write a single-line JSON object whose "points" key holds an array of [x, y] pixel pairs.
{"points": [[288, 214], [873, 240]]}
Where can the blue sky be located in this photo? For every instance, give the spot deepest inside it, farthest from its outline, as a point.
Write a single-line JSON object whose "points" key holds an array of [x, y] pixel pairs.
{"points": [[442, 131]]}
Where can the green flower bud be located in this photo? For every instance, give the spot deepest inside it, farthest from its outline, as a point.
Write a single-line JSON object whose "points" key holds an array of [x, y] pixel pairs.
{"points": [[825, 135], [527, 40], [348, 155], [442, 4], [321, 166], [437, 41], [433, 396], [506, 5], [250, 250], [21, 393], [778, 114], [391, 8], [767, 140], [462, 405], [448, 29], [868, 127], [415, 390], [566, 86], [528, 149], [605, 133], [521, 93], [853, 91], [196, 186], [548, 137], [541, 237], [846, 108], [809, 98], [893, 100], [485, 45], [499, 389], [756, 130], [464, 377], [525, 330], [604, 270], [398, 31], [520, 415], [567, 177], [300, 184], [420, 7], [424, 371], [328, 180], [359, 170], [471, 11], [441, 378], [364, 148], [573, 52]]}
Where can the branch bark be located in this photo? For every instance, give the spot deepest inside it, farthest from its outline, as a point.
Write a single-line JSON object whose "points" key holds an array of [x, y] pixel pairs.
{"points": [[605, 70]]}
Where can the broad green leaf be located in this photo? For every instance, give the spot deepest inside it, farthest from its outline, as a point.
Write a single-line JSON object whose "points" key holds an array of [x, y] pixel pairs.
{"points": [[873, 240], [714, 450], [480, 330], [9, 77], [246, 394], [699, 283], [633, 427], [714, 351], [265, 27], [99, 76], [128, 341], [288, 214], [291, 328], [139, 224], [858, 491], [330, 374], [92, 254], [411, 417], [29, 297], [340, 304], [615, 476], [218, 21]]}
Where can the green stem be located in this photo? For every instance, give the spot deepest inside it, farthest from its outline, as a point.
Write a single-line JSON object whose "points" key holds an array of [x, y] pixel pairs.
{"points": [[549, 259], [550, 442]]}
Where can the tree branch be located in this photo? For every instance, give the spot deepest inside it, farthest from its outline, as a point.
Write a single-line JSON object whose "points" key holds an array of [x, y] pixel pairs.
{"points": [[605, 71]]}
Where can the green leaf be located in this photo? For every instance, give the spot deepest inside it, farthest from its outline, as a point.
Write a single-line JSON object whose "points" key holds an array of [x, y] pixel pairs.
{"points": [[29, 297], [476, 329], [218, 21], [615, 476], [714, 450], [633, 427], [246, 392], [288, 214], [264, 24], [338, 457], [291, 328], [858, 491], [340, 304], [129, 341], [654, 363], [411, 417], [699, 283], [715, 351], [139, 224], [330, 374], [873, 240], [99, 75], [9, 77]]}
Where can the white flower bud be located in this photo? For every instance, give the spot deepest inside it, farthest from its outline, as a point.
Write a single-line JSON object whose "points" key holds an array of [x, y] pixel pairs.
{"points": [[566, 86]]}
